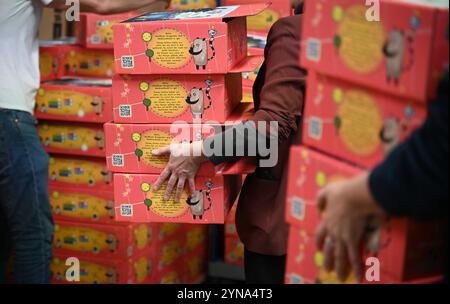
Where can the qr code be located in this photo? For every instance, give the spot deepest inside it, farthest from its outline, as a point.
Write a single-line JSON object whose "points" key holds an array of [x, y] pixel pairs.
{"points": [[315, 128], [296, 279], [117, 160], [298, 209], [313, 49], [127, 62], [125, 111], [126, 210], [96, 39]]}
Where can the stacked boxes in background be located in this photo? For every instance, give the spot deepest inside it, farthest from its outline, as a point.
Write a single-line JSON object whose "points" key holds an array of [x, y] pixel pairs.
{"points": [[258, 28], [169, 83], [367, 90], [192, 4], [234, 249]]}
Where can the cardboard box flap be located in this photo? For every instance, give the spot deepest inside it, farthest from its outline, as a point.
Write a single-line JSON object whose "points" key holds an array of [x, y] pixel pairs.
{"points": [[199, 15], [245, 165], [248, 64]]}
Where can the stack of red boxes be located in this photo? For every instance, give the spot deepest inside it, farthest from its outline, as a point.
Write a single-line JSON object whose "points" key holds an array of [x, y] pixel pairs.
{"points": [[169, 83], [191, 4], [258, 28], [367, 90]]}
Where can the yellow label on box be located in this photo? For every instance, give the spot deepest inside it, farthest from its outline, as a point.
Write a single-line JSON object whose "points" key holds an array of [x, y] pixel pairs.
{"points": [[149, 141], [70, 137], [83, 239], [168, 48], [77, 172], [66, 102], [164, 97], [262, 21], [81, 206]]}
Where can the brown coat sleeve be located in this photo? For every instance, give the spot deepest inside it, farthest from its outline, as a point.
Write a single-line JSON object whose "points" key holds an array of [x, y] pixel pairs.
{"points": [[279, 89]]}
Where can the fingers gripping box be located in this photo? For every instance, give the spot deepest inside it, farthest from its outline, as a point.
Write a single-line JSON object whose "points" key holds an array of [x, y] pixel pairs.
{"points": [[73, 139], [263, 22], [205, 41], [406, 249], [136, 201], [95, 270], [87, 172], [82, 204], [166, 98], [400, 260], [355, 124], [85, 100], [105, 241], [95, 31], [404, 53]]}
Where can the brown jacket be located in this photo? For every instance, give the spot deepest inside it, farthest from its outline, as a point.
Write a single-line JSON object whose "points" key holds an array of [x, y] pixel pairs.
{"points": [[278, 94]]}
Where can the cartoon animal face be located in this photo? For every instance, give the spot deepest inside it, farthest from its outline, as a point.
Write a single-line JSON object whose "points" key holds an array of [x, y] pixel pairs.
{"points": [[390, 134], [196, 101], [97, 105], [394, 52], [197, 204], [199, 51]]}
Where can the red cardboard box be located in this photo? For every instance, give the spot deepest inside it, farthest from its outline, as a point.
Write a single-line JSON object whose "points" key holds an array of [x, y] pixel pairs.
{"points": [[263, 22], [169, 98], [197, 236], [105, 241], [401, 260], [85, 100], [407, 250], [50, 62], [230, 225], [95, 31], [405, 53], [137, 202], [95, 270], [195, 266], [82, 204], [72, 171], [129, 147], [234, 251], [354, 124], [72, 139], [206, 41]]}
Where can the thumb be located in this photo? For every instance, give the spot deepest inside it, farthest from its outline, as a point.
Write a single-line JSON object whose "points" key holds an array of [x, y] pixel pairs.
{"points": [[161, 151], [322, 199]]}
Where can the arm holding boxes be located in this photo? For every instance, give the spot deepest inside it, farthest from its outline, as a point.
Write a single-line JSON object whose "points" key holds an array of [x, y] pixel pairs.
{"points": [[113, 6], [412, 182]]}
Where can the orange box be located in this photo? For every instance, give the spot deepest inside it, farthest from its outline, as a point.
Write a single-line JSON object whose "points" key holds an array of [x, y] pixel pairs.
{"points": [[263, 22], [410, 259], [205, 41], [73, 171], [82, 204], [50, 66], [234, 251], [72, 139], [79, 100], [95, 31], [404, 54], [354, 124], [95, 270], [191, 4], [137, 202], [129, 147], [166, 98], [406, 249], [105, 241]]}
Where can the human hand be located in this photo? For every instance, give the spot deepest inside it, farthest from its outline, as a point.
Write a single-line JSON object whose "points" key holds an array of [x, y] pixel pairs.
{"points": [[185, 160], [349, 211]]}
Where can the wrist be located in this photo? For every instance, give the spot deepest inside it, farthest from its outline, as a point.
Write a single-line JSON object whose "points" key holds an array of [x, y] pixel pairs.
{"points": [[198, 152], [363, 197]]}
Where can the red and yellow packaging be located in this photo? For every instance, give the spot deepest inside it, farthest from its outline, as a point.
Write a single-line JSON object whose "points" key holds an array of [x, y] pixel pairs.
{"points": [[355, 124], [168, 98], [136, 201], [82, 204], [129, 147], [404, 53], [197, 236], [263, 22], [230, 224], [195, 266], [248, 78], [72, 139], [407, 250], [234, 251], [96, 270], [403, 258], [86, 100], [50, 62], [105, 241], [87, 172], [206, 41], [247, 95], [191, 4], [81, 62], [94, 31]]}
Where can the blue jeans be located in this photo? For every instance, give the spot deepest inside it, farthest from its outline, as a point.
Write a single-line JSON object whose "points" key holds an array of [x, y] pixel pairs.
{"points": [[26, 224]]}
